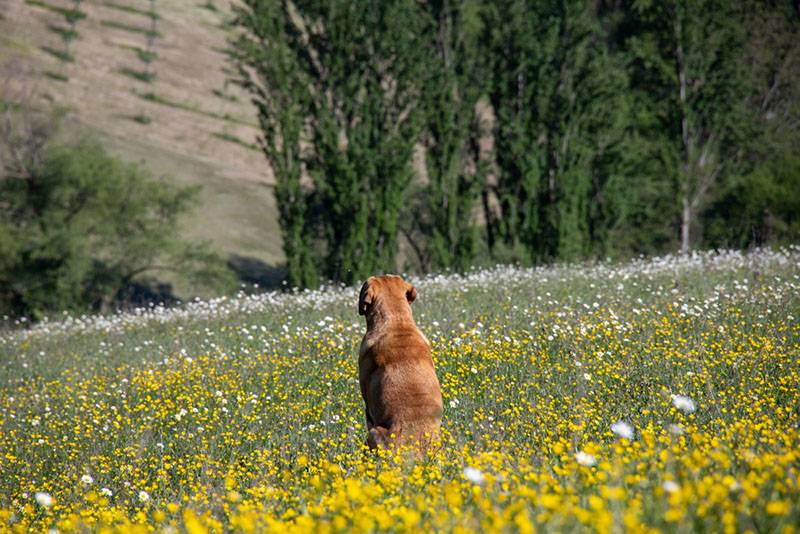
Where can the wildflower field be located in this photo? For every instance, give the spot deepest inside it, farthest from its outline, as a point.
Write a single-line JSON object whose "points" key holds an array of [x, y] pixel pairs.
{"points": [[658, 395]]}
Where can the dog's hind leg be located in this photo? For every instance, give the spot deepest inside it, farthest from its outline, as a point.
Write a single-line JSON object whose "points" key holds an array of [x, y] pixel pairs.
{"points": [[379, 437]]}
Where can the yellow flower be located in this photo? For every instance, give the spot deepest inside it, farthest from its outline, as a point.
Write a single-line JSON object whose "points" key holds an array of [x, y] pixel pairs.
{"points": [[778, 507]]}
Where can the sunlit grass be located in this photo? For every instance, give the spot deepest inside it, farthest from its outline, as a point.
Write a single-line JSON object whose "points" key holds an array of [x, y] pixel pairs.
{"points": [[661, 395]]}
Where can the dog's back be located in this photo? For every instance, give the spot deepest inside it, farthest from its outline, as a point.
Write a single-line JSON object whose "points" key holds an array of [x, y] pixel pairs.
{"points": [[398, 381]]}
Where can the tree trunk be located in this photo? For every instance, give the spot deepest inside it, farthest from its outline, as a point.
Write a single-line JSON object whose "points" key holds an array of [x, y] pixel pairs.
{"points": [[686, 225], [686, 142]]}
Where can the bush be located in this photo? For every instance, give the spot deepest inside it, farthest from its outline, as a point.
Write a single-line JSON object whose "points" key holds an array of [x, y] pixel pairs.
{"points": [[79, 227]]}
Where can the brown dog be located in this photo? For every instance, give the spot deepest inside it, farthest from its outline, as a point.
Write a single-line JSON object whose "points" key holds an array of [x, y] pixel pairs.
{"points": [[395, 368]]}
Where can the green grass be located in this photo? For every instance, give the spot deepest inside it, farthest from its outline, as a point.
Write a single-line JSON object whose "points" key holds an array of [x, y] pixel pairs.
{"points": [[223, 96], [61, 55], [233, 139], [192, 108], [140, 118], [247, 411], [66, 34], [139, 75], [68, 13], [57, 76], [130, 28], [130, 9]]}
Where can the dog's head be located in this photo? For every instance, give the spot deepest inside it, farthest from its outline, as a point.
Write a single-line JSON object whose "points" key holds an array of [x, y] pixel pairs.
{"points": [[387, 290]]}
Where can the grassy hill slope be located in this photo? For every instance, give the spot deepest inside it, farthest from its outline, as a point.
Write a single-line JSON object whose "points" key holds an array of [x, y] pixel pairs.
{"points": [[659, 395], [186, 123]]}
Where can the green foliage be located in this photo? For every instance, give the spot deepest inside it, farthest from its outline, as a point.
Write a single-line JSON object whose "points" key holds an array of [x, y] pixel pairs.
{"points": [[70, 14], [150, 96], [337, 86], [79, 227], [689, 74], [539, 130], [142, 76], [57, 76], [141, 118], [562, 116], [67, 34], [61, 55], [225, 136], [760, 207], [130, 9], [451, 98]]}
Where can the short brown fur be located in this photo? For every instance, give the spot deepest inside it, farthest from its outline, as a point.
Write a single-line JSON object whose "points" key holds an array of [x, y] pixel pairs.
{"points": [[398, 381]]}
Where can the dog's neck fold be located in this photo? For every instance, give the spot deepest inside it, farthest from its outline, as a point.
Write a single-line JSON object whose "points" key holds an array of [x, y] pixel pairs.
{"points": [[380, 315]]}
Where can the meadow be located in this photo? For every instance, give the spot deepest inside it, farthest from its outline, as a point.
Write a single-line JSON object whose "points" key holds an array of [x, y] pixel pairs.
{"points": [[657, 395]]}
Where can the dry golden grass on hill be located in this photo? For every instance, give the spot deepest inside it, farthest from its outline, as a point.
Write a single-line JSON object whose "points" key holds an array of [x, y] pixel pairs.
{"points": [[187, 123]]}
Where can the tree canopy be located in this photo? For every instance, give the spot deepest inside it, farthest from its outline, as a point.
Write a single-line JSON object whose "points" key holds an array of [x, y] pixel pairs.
{"points": [[444, 134]]}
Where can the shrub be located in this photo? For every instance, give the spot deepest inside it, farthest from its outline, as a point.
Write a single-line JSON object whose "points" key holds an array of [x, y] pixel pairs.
{"points": [[79, 227]]}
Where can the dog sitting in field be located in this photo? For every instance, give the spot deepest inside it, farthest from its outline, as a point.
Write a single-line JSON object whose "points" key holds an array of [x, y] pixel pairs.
{"points": [[395, 369]]}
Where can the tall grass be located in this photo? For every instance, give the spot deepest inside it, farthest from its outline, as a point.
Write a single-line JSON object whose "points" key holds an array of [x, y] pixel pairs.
{"points": [[245, 414]]}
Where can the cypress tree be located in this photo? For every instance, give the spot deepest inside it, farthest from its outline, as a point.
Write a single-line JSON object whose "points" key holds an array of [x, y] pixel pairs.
{"points": [[558, 96], [455, 88], [687, 66], [262, 51], [352, 74]]}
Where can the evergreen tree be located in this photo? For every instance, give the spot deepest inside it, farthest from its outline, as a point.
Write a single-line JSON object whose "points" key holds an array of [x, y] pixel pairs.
{"points": [[559, 100], [687, 66], [762, 204], [453, 164], [353, 75], [264, 51]]}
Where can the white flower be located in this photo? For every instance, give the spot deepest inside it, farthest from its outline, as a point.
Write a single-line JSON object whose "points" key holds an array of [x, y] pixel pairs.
{"points": [[87, 479], [144, 496], [473, 475], [181, 414], [473, 370], [585, 459], [107, 492], [454, 403], [622, 429], [670, 486], [675, 430], [587, 376], [44, 499], [683, 403]]}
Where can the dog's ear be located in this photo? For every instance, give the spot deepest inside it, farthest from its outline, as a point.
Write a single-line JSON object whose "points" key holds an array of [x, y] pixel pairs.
{"points": [[411, 293], [365, 298]]}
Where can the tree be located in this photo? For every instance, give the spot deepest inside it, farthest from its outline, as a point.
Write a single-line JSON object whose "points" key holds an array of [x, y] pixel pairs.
{"points": [[78, 227], [454, 170], [337, 85], [559, 100], [762, 205], [688, 66]]}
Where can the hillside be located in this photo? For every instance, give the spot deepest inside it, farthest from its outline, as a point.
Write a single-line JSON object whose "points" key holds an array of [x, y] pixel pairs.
{"points": [[177, 116], [655, 396]]}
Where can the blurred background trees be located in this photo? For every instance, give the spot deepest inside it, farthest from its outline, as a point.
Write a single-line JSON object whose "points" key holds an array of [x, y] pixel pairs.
{"points": [[521, 130]]}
